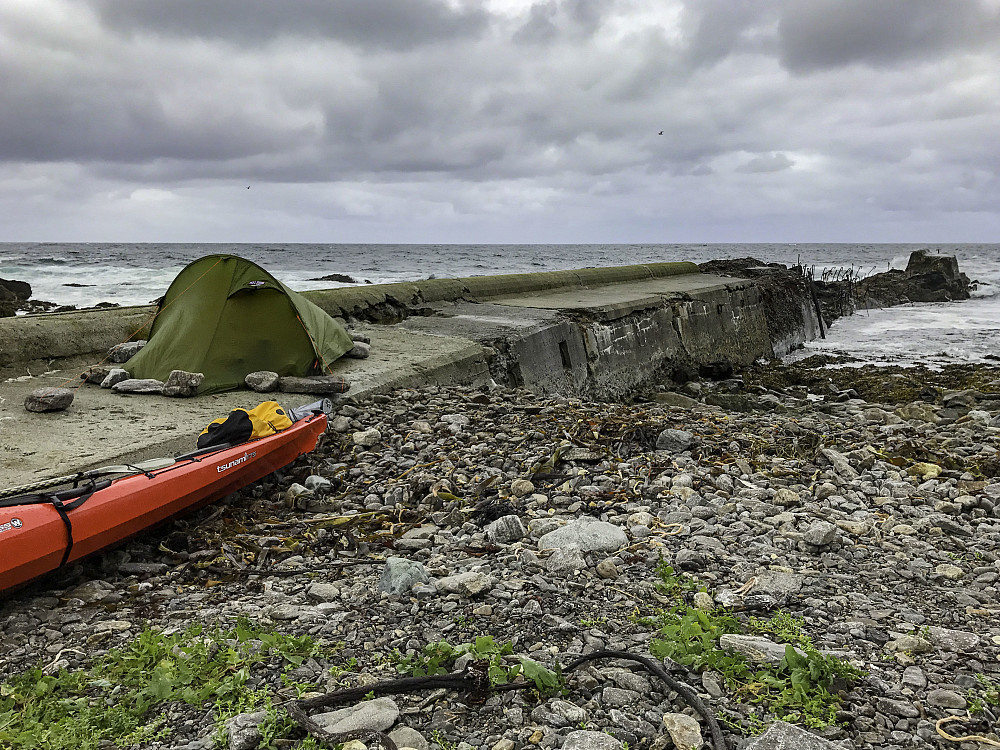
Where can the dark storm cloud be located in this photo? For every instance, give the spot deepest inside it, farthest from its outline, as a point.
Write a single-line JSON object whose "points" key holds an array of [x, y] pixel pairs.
{"points": [[399, 24], [816, 34]]}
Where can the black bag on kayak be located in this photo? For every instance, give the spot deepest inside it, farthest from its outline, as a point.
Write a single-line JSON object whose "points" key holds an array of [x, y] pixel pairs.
{"points": [[242, 425]]}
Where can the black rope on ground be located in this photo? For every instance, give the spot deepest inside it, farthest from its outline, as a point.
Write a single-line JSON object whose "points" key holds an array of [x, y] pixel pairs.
{"points": [[475, 683]]}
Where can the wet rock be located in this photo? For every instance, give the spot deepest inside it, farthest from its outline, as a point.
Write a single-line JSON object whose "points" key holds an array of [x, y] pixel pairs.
{"points": [[48, 399], [367, 438]]}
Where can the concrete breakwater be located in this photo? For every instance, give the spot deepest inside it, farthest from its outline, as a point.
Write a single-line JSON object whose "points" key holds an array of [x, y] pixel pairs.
{"points": [[592, 331], [597, 333]]}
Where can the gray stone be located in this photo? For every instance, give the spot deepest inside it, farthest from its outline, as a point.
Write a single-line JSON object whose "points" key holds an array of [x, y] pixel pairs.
{"points": [[399, 575], [361, 350], [565, 560], [469, 583], [953, 640], [755, 648], [244, 730], [946, 699], [323, 592], [896, 708], [783, 736], [584, 739], [262, 381], [409, 737], [374, 715], [820, 534], [506, 529], [670, 398], [674, 441], [684, 730], [840, 463], [139, 386], [367, 438], [48, 399], [115, 376], [95, 374], [320, 384], [120, 353], [587, 533], [340, 424], [183, 384]]}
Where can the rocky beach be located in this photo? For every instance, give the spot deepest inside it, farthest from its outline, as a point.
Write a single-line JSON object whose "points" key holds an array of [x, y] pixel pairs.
{"points": [[849, 512]]}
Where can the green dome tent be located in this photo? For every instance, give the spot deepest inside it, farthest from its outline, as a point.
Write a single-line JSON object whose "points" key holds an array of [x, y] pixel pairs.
{"points": [[226, 317]]}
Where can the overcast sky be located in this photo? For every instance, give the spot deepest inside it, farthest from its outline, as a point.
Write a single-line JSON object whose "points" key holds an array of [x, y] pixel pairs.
{"points": [[500, 120]]}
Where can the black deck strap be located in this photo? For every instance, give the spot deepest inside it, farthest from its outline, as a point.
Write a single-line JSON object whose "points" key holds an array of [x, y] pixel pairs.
{"points": [[77, 497]]}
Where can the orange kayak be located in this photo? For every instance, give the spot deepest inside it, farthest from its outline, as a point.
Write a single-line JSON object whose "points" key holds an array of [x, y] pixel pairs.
{"points": [[38, 536]]}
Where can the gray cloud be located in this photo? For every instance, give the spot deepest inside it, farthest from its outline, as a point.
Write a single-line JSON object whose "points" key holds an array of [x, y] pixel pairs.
{"points": [[766, 163], [817, 34], [395, 24], [476, 122]]}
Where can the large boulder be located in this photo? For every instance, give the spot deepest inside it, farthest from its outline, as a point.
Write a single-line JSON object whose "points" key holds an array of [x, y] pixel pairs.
{"points": [[935, 278]]}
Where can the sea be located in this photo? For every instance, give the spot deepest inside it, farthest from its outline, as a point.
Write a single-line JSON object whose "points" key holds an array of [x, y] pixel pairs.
{"points": [[84, 274]]}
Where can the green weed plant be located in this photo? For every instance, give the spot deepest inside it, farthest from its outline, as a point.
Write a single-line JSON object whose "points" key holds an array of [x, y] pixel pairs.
{"points": [[799, 690], [440, 657], [113, 699]]}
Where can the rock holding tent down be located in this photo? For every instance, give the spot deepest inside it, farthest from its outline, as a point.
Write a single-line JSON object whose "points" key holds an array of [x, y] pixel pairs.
{"points": [[144, 386], [322, 384], [115, 376], [262, 381], [123, 352], [95, 374], [361, 350], [183, 384], [48, 399]]}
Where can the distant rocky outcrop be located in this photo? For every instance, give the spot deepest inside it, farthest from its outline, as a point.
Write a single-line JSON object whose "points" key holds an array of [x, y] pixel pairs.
{"points": [[341, 278], [928, 278], [12, 295]]}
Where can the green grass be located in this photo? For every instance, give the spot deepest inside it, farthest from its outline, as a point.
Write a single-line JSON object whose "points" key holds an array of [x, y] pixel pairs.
{"points": [[799, 690], [124, 695]]}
